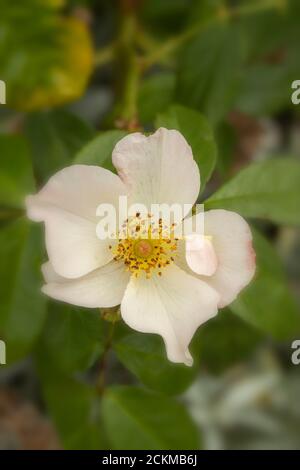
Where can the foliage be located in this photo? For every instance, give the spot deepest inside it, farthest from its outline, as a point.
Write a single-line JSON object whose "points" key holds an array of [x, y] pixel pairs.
{"points": [[269, 190], [45, 62], [156, 421]]}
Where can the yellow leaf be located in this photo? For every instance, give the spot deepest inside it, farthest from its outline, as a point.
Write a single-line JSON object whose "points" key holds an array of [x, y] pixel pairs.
{"points": [[68, 80]]}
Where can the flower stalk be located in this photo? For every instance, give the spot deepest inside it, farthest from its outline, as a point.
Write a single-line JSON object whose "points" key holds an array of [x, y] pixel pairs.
{"points": [[105, 55], [128, 70], [101, 378]]}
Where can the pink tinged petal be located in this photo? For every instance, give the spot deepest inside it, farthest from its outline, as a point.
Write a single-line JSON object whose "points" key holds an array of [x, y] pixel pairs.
{"points": [[173, 306], [67, 204], [158, 169], [200, 254], [232, 242], [103, 287]]}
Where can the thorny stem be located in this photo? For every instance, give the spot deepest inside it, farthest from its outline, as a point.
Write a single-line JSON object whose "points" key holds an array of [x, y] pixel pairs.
{"points": [[100, 385]]}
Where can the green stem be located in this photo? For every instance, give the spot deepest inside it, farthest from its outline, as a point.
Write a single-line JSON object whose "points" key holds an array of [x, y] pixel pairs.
{"points": [[145, 41], [129, 71], [105, 55], [224, 14], [129, 103], [100, 385]]}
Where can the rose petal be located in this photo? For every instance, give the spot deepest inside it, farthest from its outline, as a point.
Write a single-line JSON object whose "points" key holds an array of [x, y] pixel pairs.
{"points": [[67, 204], [173, 306], [231, 239], [103, 287], [79, 189], [158, 169]]}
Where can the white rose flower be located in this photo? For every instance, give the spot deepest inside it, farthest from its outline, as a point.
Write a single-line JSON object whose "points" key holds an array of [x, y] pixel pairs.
{"points": [[166, 286]]}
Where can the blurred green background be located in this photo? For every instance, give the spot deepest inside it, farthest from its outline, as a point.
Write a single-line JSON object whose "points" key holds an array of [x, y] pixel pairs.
{"points": [[79, 75]]}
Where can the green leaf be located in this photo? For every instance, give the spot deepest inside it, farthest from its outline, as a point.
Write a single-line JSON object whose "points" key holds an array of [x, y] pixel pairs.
{"points": [[267, 302], [23, 307], [164, 17], [45, 60], [198, 134], [145, 357], [138, 419], [272, 30], [16, 178], [208, 72], [272, 43], [155, 95], [27, 48], [203, 10], [266, 88], [73, 337], [74, 409], [226, 139], [225, 340], [99, 150], [268, 190], [55, 138]]}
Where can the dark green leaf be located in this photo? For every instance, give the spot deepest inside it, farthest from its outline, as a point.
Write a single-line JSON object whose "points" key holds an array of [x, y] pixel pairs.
{"points": [[208, 75], [272, 43], [23, 307], [271, 31], [74, 408], [225, 341], [269, 190], [99, 150], [155, 95], [72, 338], [267, 302], [203, 10], [165, 16], [197, 132], [16, 178], [55, 138], [226, 140], [145, 357], [138, 419], [266, 88]]}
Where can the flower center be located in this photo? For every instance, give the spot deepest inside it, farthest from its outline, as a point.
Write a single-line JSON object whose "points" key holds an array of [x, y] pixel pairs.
{"points": [[145, 248]]}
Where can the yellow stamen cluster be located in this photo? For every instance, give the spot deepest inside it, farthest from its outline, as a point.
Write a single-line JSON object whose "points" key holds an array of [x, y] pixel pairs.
{"points": [[145, 246]]}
